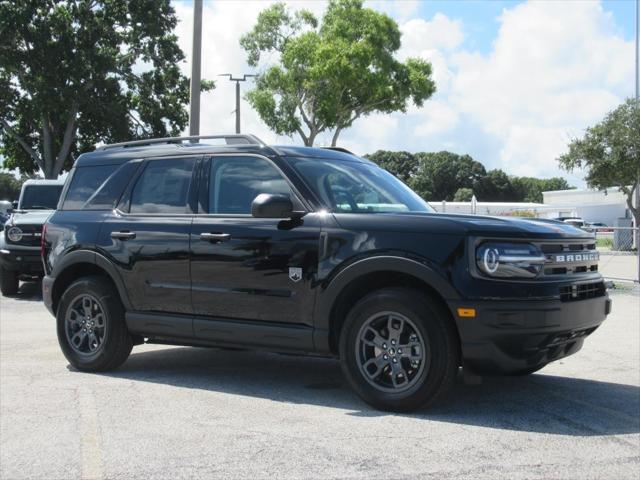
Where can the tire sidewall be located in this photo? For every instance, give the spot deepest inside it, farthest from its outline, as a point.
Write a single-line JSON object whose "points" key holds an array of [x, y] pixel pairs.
{"points": [[9, 281], [429, 320], [113, 313]]}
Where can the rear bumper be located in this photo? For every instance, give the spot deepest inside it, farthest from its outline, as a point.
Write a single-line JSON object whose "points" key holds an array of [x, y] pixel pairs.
{"points": [[507, 337], [23, 261]]}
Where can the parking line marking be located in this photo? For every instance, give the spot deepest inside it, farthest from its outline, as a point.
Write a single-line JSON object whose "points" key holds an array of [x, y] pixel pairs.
{"points": [[89, 436]]}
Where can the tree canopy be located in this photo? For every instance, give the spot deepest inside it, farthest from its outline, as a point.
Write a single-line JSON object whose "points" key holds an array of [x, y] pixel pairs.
{"points": [[331, 72], [438, 176], [76, 72], [609, 152]]}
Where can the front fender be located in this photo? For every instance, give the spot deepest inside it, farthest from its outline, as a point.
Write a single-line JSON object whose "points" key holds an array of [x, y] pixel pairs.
{"points": [[329, 294]]}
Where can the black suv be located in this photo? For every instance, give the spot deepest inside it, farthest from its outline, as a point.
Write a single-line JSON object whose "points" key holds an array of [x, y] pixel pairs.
{"points": [[312, 251]]}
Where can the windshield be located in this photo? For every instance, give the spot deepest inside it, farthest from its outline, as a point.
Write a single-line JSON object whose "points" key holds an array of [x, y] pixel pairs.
{"points": [[356, 187], [40, 197]]}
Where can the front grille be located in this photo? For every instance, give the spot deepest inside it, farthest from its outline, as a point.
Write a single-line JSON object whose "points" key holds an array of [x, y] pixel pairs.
{"points": [[582, 291], [31, 235], [569, 257]]}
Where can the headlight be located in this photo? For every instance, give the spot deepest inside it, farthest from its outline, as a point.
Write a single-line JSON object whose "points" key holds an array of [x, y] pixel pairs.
{"points": [[14, 234], [509, 260]]}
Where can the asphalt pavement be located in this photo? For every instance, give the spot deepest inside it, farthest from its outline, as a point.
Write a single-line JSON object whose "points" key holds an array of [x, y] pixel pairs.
{"points": [[175, 412]]}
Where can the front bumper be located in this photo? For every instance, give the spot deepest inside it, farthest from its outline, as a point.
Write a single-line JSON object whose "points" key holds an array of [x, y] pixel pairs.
{"points": [[24, 261], [510, 336]]}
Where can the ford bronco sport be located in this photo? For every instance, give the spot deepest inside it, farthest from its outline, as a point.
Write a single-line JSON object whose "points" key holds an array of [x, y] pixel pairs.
{"points": [[20, 240], [311, 251]]}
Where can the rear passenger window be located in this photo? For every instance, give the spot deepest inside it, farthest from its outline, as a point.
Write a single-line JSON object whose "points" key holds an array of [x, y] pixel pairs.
{"points": [[85, 182], [163, 187]]}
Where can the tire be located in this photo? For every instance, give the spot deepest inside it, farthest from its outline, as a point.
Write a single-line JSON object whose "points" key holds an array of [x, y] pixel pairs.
{"points": [[426, 381], [9, 282], [111, 342]]}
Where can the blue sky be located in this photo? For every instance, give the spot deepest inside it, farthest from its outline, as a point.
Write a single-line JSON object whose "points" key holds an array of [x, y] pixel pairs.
{"points": [[481, 17]]}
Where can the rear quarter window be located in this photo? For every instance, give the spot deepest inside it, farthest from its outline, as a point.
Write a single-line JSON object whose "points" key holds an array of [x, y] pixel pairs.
{"points": [[98, 187]]}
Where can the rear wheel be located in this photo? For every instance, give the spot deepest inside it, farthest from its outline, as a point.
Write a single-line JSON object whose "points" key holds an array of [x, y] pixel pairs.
{"points": [[399, 350], [9, 282], [91, 328]]}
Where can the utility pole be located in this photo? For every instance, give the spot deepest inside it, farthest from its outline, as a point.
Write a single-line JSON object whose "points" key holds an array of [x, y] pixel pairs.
{"points": [[196, 54], [237, 80], [638, 106]]}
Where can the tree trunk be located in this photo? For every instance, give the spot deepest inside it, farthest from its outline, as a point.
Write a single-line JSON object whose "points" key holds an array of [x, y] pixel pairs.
{"points": [[336, 134]]}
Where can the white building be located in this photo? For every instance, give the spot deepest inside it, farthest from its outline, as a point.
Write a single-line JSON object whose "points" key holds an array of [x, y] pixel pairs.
{"points": [[492, 208], [592, 205]]}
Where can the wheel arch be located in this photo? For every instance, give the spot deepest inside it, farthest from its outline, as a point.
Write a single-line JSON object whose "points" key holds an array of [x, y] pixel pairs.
{"points": [[82, 263], [365, 276]]}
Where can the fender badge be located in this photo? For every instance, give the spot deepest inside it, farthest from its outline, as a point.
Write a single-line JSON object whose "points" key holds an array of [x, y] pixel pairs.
{"points": [[295, 274]]}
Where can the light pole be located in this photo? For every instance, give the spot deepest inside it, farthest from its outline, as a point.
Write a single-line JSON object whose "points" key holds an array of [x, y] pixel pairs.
{"points": [[637, 106], [194, 102], [237, 80]]}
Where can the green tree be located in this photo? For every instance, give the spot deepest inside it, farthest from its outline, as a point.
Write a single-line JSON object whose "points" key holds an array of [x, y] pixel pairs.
{"points": [[609, 152], [496, 186], [76, 72], [10, 186], [441, 174], [331, 73], [403, 165], [463, 195], [529, 189]]}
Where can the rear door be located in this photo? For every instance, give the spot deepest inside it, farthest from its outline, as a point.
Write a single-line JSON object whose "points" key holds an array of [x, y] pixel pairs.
{"points": [[248, 268], [147, 236]]}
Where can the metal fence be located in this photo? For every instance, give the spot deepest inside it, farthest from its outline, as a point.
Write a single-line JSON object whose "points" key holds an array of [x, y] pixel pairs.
{"points": [[618, 252]]}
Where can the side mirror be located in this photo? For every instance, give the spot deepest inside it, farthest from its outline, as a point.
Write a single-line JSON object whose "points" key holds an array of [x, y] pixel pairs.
{"points": [[14, 204], [267, 205]]}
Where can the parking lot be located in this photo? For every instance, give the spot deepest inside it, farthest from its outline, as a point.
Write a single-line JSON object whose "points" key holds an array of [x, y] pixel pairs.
{"points": [[173, 412]]}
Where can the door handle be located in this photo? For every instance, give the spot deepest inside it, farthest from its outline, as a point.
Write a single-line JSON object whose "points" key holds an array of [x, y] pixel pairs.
{"points": [[123, 235], [215, 237]]}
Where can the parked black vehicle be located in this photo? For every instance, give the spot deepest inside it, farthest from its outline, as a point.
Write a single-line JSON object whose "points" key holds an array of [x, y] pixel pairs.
{"points": [[311, 251], [21, 236]]}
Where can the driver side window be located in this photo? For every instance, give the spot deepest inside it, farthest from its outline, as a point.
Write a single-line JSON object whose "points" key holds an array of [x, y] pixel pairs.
{"points": [[235, 181]]}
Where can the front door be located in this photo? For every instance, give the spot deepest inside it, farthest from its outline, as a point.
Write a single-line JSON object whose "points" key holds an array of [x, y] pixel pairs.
{"points": [[147, 237], [247, 268]]}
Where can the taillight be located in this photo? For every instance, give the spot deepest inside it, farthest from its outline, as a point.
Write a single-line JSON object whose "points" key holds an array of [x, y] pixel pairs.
{"points": [[44, 232]]}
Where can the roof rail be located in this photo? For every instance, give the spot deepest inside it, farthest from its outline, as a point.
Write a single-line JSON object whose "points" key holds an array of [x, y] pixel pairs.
{"points": [[338, 149], [236, 139]]}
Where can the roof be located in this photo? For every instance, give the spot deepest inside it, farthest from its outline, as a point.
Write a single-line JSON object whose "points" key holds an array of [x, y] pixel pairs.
{"points": [[37, 181], [122, 152]]}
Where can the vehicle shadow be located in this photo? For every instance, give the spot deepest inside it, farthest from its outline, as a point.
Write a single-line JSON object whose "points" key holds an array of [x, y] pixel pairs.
{"points": [[29, 292], [538, 403]]}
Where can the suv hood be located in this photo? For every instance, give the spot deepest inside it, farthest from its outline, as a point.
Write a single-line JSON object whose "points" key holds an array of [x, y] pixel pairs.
{"points": [[456, 224], [29, 217]]}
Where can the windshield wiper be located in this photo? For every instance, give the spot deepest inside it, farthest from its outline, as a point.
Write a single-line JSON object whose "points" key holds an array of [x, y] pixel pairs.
{"points": [[37, 207]]}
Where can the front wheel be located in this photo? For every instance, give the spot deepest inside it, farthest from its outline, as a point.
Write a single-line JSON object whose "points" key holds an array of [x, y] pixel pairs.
{"points": [[91, 329], [399, 350], [9, 282]]}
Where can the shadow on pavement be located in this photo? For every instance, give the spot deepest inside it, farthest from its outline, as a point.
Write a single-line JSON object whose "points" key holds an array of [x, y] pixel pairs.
{"points": [[538, 403], [29, 292]]}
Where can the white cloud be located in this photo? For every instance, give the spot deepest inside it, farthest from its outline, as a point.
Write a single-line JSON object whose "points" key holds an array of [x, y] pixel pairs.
{"points": [[554, 68]]}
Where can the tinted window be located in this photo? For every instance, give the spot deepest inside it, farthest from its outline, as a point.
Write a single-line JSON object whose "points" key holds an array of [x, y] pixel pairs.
{"points": [[40, 197], [84, 183], [163, 187], [106, 197], [236, 181]]}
